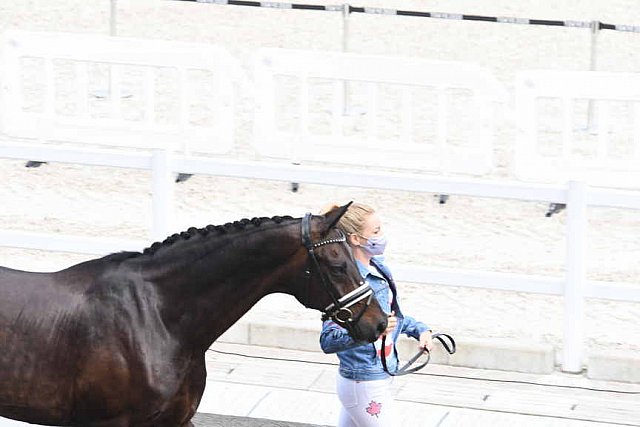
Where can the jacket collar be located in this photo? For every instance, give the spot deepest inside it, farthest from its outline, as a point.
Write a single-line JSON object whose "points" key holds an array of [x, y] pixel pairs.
{"points": [[365, 270]]}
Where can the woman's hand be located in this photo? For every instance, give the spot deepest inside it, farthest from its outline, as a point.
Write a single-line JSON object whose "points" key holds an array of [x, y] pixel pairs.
{"points": [[426, 341], [392, 321]]}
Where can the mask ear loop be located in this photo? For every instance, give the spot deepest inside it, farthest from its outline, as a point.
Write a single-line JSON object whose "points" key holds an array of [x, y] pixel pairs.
{"points": [[354, 234], [350, 249]]}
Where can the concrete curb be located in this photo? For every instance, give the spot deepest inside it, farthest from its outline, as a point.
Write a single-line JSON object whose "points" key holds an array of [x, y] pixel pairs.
{"points": [[216, 420], [494, 354], [503, 355], [614, 366]]}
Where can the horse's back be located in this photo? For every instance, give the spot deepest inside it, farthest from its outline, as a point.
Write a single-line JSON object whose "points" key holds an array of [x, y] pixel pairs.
{"points": [[7, 274], [41, 305], [23, 291]]}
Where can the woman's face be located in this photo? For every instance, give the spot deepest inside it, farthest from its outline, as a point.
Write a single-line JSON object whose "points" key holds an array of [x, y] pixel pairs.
{"points": [[370, 240], [372, 227]]}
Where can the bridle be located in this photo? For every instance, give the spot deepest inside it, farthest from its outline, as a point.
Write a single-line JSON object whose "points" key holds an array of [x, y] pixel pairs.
{"points": [[340, 309]]}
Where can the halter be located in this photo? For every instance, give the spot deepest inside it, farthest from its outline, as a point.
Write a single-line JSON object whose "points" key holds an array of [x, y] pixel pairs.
{"points": [[339, 310]]}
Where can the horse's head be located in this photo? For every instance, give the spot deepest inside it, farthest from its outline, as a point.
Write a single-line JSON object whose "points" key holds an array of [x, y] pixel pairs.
{"points": [[333, 283]]}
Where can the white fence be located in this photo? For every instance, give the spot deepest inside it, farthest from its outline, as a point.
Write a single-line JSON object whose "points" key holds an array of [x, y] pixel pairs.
{"points": [[114, 91], [579, 125], [392, 112], [164, 163]]}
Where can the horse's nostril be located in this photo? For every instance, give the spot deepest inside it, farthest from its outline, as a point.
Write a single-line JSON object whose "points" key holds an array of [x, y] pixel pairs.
{"points": [[382, 326]]}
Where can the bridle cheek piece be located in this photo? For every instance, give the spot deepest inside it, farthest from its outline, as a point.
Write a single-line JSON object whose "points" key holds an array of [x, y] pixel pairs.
{"points": [[340, 309]]}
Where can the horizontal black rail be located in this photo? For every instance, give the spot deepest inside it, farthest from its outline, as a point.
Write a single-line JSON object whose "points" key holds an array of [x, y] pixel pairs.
{"points": [[346, 8]]}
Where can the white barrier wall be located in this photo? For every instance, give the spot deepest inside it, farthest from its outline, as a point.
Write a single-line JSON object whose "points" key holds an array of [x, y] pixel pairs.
{"points": [[578, 125], [393, 112], [123, 92]]}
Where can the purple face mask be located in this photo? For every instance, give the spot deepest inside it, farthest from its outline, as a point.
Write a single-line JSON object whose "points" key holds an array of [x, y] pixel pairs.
{"points": [[375, 245]]}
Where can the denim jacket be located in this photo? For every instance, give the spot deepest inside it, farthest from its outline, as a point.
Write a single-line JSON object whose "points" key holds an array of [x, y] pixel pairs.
{"points": [[361, 361]]}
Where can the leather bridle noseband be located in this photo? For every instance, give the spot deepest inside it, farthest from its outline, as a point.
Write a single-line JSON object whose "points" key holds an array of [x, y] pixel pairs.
{"points": [[340, 309]]}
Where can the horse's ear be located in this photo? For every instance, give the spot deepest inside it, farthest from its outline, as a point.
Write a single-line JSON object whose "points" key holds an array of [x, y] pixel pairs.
{"points": [[332, 217]]}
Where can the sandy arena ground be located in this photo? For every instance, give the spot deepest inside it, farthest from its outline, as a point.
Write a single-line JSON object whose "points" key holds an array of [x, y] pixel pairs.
{"points": [[470, 233]]}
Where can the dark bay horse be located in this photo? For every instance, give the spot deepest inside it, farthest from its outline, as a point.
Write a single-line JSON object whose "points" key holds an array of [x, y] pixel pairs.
{"points": [[121, 340]]}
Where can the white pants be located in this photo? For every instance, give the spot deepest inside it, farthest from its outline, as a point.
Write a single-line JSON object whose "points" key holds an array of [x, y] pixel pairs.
{"points": [[365, 403]]}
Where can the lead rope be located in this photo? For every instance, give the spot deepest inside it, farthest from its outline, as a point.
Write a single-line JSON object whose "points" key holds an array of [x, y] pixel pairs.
{"points": [[439, 336], [406, 368]]}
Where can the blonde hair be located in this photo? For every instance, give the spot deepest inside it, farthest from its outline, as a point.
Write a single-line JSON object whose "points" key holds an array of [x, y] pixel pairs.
{"points": [[352, 222]]}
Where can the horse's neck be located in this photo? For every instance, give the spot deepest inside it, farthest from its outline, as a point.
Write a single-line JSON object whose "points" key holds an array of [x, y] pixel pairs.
{"points": [[221, 278]]}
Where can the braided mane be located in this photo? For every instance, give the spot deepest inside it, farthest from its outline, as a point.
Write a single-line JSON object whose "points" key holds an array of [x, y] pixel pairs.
{"points": [[229, 227]]}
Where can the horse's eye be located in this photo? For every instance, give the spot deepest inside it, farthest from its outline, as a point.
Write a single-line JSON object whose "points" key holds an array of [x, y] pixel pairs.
{"points": [[338, 268]]}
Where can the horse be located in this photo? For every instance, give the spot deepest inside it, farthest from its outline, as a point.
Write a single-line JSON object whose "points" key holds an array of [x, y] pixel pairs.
{"points": [[121, 340]]}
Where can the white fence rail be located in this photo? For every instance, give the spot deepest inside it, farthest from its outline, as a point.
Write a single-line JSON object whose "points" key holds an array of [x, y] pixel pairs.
{"points": [[574, 286], [164, 163]]}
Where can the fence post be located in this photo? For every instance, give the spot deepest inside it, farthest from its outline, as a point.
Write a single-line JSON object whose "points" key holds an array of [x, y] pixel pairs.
{"points": [[346, 12], [113, 23], [162, 194], [575, 277], [593, 66]]}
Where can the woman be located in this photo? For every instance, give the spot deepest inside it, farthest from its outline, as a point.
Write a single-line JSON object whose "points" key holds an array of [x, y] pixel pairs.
{"points": [[363, 386]]}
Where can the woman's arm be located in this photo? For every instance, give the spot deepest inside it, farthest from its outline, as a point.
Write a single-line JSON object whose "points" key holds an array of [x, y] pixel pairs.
{"points": [[335, 338], [413, 328]]}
